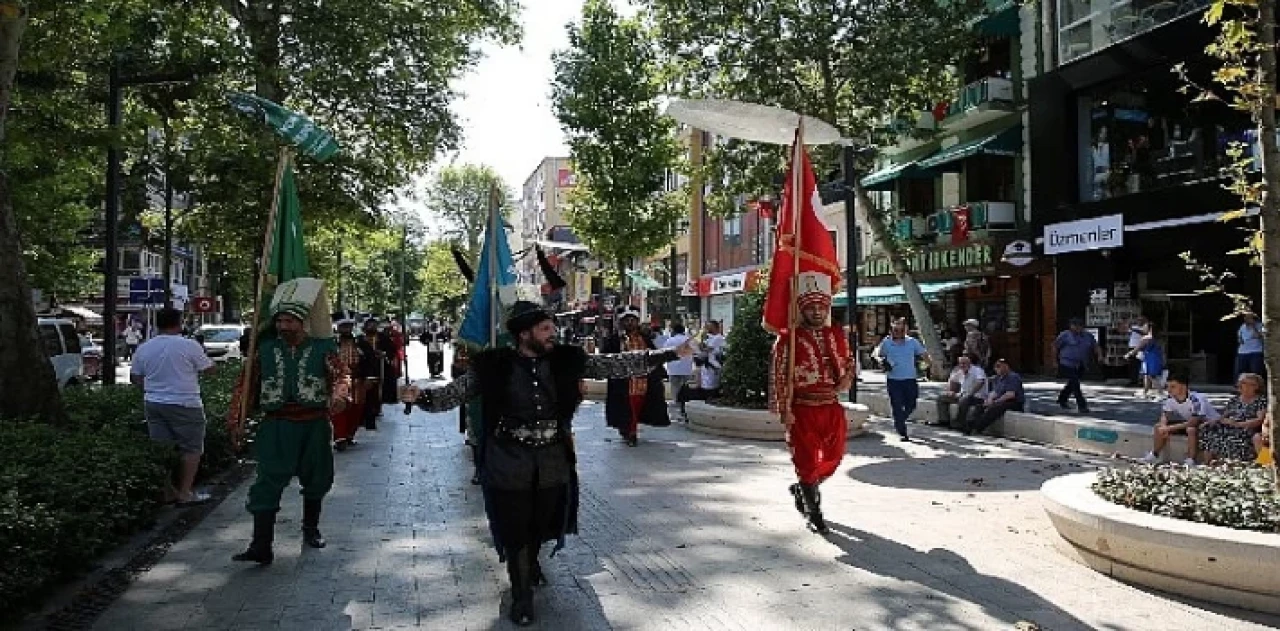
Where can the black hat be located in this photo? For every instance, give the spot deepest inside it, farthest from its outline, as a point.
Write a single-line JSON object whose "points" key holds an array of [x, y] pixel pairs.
{"points": [[524, 316]]}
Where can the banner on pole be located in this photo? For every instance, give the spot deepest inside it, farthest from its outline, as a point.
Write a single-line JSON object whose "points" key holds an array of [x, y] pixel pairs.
{"points": [[294, 127]]}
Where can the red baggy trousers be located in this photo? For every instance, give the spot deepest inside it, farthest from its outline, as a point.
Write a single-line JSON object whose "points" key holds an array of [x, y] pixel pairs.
{"points": [[816, 440]]}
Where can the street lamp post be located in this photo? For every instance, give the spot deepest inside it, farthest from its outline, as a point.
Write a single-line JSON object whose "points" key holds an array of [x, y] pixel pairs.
{"points": [[848, 159]]}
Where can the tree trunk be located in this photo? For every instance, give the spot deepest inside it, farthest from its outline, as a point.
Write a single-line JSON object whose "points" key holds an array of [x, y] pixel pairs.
{"points": [[919, 308], [1270, 217], [262, 27], [28, 386]]}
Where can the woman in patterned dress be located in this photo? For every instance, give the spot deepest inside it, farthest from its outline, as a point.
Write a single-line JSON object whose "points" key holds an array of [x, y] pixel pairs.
{"points": [[1232, 436]]}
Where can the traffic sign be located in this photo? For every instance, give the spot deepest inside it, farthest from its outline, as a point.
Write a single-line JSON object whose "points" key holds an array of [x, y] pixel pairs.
{"points": [[203, 304], [146, 291]]}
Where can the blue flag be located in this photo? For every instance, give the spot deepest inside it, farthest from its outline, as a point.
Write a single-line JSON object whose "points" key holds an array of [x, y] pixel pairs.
{"points": [[480, 309]]}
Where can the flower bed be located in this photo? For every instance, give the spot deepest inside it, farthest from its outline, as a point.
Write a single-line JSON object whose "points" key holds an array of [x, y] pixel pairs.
{"points": [[70, 494], [1234, 495]]}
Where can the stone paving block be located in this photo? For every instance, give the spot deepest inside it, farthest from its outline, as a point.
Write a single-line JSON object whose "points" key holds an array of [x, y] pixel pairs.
{"points": [[685, 531]]}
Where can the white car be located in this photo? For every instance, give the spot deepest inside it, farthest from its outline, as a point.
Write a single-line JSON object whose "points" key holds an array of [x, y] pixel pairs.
{"points": [[62, 346], [221, 341]]}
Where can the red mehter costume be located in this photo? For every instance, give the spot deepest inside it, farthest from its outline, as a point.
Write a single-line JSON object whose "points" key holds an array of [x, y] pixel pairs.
{"points": [[819, 429], [357, 357]]}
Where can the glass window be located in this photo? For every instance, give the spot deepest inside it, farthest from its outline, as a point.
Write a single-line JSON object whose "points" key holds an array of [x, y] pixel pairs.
{"points": [[70, 340], [1087, 26], [51, 340], [1142, 134]]}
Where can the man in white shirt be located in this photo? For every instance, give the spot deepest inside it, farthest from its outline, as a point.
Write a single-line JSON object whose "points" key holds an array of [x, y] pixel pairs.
{"points": [[679, 371], [1181, 414], [966, 387], [132, 338], [168, 368]]}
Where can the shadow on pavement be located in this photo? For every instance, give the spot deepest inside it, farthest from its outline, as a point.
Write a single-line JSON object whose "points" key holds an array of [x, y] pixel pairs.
{"points": [[953, 473], [883, 557]]}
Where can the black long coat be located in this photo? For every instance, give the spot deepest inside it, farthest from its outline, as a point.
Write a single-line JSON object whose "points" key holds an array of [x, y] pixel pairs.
{"points": [[617, 403]]}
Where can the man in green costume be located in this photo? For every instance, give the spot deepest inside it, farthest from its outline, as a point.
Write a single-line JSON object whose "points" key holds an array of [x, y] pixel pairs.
{"points": [[301, 380]]}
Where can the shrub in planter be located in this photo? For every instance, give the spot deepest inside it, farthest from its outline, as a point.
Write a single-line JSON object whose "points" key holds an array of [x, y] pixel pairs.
{"points": [[70, 495], [1232, 494], [745, 380]]}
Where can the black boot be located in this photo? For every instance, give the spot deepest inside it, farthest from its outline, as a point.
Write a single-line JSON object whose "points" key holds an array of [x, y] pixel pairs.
{"points": [[813, 508], [520, 571], [536, 577], [311, 523], [798, 497], [475, 458], [264, 533]]}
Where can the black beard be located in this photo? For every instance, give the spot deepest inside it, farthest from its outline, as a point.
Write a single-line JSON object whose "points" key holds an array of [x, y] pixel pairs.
{"points": [[536, 348]]}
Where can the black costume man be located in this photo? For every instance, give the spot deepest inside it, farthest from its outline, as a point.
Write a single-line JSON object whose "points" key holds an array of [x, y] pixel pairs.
{"points": [[528, 465], [630, 402], [435, 338]]}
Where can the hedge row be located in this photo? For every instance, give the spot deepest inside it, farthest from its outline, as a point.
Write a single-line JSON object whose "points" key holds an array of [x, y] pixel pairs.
{"points": [[1232, 494], [70, 494]]}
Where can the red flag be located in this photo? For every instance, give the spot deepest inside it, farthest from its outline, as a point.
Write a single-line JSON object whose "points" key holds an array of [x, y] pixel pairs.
{"points": [[960, 217], [817, 251]]}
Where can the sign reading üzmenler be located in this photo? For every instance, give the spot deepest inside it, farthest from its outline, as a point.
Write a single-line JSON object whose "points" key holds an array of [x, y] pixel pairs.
{"points": [[1097, 233]]}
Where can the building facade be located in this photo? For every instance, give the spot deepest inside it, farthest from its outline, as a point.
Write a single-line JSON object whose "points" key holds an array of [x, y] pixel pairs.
{"points": [[1128, 177], [959, 194], [541, 210]]}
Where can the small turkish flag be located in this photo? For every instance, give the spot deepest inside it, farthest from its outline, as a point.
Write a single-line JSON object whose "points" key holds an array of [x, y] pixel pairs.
{"points": [[766, 208], [960, 217]]}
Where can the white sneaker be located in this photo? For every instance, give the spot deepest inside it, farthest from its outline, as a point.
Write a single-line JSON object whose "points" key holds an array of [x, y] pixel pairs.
{"points": [[1150, 458], [1189, 462]]}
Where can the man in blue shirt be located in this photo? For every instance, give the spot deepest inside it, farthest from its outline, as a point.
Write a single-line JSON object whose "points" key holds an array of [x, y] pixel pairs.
{"points": [[1006, 394], [1073, 347], [900, 354]]}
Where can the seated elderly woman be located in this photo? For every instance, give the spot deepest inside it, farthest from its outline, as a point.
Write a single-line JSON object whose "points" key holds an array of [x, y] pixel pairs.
{"points": [[1231, 437]]}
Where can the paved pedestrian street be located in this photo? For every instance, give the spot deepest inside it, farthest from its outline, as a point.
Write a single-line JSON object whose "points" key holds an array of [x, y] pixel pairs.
{"points": [[685, 531]]}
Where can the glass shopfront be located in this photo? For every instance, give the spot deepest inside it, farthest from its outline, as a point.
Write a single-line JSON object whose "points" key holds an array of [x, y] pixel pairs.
{"points": [[1087, 26], [1142, 134]]}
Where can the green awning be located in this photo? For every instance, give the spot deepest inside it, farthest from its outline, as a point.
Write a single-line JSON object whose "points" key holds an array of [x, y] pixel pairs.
{"points": [[999, 20], [1007, 143], [643, 281], [895, 295], [884, 179]]}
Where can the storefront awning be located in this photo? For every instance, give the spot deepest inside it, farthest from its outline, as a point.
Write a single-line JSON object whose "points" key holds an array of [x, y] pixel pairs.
{"points": [[643, 281], [884, 179], [895, 295], [1006, 143]]}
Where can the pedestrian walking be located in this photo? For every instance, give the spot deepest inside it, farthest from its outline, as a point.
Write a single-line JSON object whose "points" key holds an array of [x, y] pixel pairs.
{"points": [[1250, 346], [977, 344], [899, 354], [373, 382], [1074, 347], [631, 401], [301, 381], [168, 368], [358, 357], [132, 338], [679, 372], [815, 420], [528, 463]]}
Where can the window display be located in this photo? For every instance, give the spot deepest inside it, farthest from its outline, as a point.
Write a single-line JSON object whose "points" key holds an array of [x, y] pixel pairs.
{"points": [[1144, 134]]}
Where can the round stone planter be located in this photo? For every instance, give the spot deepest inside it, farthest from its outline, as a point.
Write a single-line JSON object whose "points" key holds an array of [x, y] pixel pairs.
{"points": [[756, 424], [1209, 563]]}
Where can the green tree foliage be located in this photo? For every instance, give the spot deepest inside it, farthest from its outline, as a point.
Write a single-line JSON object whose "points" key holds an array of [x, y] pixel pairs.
{"points": [[606, 96], [459, 197], [857, 64], [745, 381], [443, 291]]}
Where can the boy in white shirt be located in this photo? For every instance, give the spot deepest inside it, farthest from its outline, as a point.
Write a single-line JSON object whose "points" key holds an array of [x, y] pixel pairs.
{"points": [[1181, 414]]}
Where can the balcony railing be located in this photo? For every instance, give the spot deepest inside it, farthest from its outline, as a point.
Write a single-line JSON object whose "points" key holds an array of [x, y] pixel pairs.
{"points": [[981, 92], [984, 216]]}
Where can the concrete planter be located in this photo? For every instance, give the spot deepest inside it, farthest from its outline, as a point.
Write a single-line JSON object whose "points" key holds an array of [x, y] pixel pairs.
{"points": [[1209, 563], [756, 424], [1086, 435]]}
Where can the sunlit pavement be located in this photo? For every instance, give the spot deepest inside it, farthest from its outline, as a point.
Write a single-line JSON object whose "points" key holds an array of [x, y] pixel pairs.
{"points": [[683, 532]]}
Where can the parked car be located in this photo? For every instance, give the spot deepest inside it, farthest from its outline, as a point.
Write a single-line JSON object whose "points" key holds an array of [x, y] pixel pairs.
{"points": [[221, 341], [62, 347]]}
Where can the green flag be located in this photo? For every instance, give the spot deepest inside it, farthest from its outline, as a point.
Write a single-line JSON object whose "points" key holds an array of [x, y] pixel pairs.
{"points": [[288, 251], [293, 127]]}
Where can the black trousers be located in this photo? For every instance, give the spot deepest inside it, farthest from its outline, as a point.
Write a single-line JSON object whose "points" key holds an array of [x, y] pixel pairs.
{"points": [[992, 413], [435, 363], [1072, 374], [529, 517]]}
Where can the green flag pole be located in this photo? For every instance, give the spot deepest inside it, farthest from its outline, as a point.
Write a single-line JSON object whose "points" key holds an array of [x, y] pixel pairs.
{"points": [[268, 240]]}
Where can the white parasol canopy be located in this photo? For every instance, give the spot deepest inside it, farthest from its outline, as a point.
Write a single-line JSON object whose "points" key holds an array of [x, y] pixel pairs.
{"points": [[750, 121]]}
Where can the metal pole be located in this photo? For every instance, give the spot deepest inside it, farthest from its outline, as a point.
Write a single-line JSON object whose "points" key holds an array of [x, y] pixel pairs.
{"points": [[168, 238], [851, 254], [674, 295], [342, 297], [111, 225]]}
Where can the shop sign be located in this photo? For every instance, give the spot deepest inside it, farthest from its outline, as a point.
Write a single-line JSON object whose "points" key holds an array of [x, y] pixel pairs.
{"points": [[690, 288], [973, 259], [729, 284], [1019, 253], [1098, 233]]}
